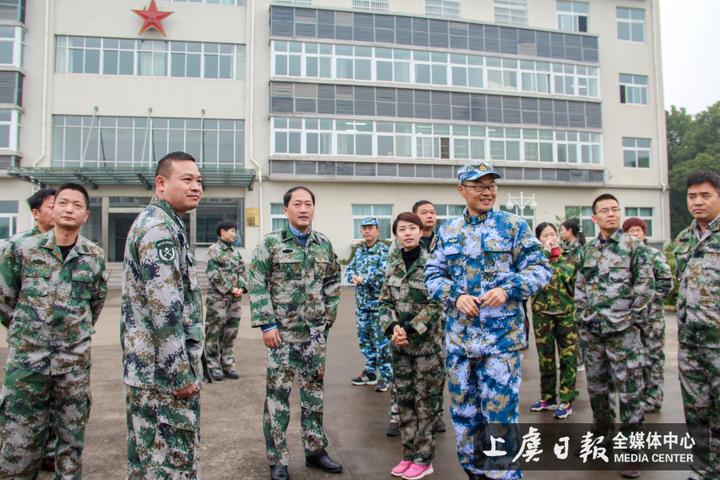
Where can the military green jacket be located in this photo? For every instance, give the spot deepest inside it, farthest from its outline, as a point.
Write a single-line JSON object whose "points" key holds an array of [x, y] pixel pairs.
{"points": [[225, 269], [295, 287], [571, 251], [662, 274], [405, 300], [697, 258], [614, 284], [19, 236], [161, 327], [557, 297], [49, 305]]}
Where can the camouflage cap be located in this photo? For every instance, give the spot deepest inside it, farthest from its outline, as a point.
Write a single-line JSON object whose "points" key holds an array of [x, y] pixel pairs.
{"points": [[475, 170], [369, 221]]}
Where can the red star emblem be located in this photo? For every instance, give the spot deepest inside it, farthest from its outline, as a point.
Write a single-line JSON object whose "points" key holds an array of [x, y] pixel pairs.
{"points": [[152, 18]]}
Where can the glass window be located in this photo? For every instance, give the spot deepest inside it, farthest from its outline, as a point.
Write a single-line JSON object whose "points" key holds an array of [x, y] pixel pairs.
{"points": [[443, 8], [513, 12], [633, 89], [584, 217], [213, 210], [278, 219], [572, 15], [631, 24], [636, 152], [383, 213]]}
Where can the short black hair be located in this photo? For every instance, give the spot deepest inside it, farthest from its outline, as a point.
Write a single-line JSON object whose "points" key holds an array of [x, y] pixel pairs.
{"points": [[225, 224], [539, 229], [406, 217], [77, 187], [604, 196], [420, 203], [164, 165], [698, 177], [36, 200], [288, 194]]}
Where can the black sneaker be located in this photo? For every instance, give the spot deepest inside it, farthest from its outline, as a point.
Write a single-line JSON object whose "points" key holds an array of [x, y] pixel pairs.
{"points": [[217, 375], [392, 430], [365, 378], [381, 386]]}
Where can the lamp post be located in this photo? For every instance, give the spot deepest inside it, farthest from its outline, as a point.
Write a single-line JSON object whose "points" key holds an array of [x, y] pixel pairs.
{"points": [[521, 201]]}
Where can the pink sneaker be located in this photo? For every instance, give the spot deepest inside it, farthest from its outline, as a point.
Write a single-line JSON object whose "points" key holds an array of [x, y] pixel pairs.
{"points": [[416, 471], [400, 468]]}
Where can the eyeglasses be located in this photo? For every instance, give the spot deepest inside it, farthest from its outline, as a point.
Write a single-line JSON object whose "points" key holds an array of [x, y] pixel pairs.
{"points": [[605, 211], [481, 188]]}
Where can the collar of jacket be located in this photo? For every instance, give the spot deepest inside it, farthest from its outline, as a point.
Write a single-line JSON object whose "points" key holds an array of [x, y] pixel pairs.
{"points": [[47, 241], [288, 235], [373, 249], [615, 237], [167, 208], [224, 245], [476, 220], [713, 226], [396, 260]]}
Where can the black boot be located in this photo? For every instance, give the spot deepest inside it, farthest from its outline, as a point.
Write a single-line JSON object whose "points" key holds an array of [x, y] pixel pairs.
{"points": [[322, 461], [279, 472]]}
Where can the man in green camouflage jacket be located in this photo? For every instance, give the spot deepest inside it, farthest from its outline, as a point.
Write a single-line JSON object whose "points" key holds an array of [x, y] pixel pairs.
{"points": [[161, 330], [294, 286], [226, 274], [613, 288], [41, 207], [653, 333], [52, 289], [697, 256]]}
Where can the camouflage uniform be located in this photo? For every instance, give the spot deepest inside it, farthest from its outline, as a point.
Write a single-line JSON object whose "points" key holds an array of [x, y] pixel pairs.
{"points": [[161, 334], [296, 288], [225, 271], [698, 271], [473, 256], [613, 288], [418, 367], [50, 307], [553, 310], [653, 333], [571, 251], [369, 263]]}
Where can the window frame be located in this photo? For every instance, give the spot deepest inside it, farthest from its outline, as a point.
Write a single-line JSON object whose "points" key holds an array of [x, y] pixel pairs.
{"points": [[636, 149], [384, 219], [647, 218], [629, 22]]}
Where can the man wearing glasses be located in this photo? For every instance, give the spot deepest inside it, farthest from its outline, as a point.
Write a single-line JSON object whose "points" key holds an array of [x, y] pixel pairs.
{"points": [[613, 288], [484, 265]]}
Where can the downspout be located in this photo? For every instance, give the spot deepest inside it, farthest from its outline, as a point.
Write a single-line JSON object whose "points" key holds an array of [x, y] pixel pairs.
{"points": [[661, 132], [250, 12], [43, 134]]}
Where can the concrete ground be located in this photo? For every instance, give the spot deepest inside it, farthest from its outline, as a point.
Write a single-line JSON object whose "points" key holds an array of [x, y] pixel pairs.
{"points": [[355, 417]]}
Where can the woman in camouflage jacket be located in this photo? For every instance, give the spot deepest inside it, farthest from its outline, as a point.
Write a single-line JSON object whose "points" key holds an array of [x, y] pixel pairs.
{"points": [[414, 322]]}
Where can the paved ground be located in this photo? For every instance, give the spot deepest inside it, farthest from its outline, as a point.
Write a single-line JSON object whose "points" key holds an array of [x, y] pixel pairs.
{"points": [[355, 417]]}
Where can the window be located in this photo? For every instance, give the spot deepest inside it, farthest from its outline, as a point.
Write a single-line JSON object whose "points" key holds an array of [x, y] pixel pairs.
{"points": [[584, 217], [211, 211], [320, 136], [313, 60], [383, 213], [212, 2], [12, 10], [527, 213], [278, 219], [443, 8], [636, 152], [513, 12], [372, 5], [631, 24], [299, 3], [8, 218], [644, 213], [447, 212], [127, 141], [633, 89], [572, 15], [9, 129], [11, 46], [115, 56]]}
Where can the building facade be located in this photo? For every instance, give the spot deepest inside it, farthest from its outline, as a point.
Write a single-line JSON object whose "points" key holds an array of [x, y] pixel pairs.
{"points": [[373, 104]]}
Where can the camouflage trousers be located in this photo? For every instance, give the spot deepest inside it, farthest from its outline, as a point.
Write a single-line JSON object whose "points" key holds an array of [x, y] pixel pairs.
{"points": [[614, 359], [484, 401], [163, 435], [29, 401], [560, 331], [374, 345], [307, 360], [700, 386], [221, 328], [653, 338], [419, 381]]}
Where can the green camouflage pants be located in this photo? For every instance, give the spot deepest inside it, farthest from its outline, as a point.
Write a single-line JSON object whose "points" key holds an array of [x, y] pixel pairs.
{"points": [[700, 385], [614, 359], [419, 381], [307, 360], [552, 330], [221, 328], [653, 338], [163, 435], [29, 401]]}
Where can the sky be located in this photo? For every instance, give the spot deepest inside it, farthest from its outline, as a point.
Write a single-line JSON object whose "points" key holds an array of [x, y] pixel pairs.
{"points": [[691, 53]]}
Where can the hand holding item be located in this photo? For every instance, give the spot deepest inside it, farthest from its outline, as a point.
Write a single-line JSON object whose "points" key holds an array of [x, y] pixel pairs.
{"points": [[399, 337]]}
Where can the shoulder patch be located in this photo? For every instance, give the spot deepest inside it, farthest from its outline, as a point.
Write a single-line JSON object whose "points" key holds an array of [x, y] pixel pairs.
{"points": [[166, 250]]}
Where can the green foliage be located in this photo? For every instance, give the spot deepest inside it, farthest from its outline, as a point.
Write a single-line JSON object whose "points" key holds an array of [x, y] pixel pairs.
{"points": [[693, 144], [669, 251]]}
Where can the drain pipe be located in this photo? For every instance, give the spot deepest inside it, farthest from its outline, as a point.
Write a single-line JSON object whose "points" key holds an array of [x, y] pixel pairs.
{"points": [[250, 125], [46, 56]]}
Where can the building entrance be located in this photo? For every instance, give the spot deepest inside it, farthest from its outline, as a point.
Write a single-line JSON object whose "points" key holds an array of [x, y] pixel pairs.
{"points": [[118, 226]]}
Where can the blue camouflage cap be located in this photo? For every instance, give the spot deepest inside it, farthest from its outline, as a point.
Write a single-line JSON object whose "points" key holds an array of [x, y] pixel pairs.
{"points": [[369, 222], [475, 170]]}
